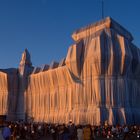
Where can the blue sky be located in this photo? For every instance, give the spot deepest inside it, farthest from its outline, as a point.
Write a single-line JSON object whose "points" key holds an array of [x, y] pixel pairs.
{"points": [[44, 27]]}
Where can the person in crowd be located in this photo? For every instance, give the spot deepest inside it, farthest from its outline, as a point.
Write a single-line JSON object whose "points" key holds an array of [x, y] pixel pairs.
{"points": [[53, 132], [66, 133], [1, 136], [72, 130], [113, 130], [87, 132], [60, 129], [93, 136], [80, 132], [126, 131], [14, 131], [6, 132]]}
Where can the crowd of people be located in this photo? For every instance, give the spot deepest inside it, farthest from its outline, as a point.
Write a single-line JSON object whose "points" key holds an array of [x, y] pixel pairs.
{"points": [[35, 131]]}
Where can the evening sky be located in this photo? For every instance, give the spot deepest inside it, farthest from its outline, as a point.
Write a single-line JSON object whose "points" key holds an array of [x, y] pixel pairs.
{"points": [[44, 27]]}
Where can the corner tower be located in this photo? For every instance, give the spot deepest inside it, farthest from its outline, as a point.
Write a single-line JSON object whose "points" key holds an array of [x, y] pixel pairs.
{"points": [[24, 70]]}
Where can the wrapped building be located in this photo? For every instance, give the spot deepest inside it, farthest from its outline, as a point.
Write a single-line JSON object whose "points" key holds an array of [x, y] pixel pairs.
{"points": [[97, 81]]}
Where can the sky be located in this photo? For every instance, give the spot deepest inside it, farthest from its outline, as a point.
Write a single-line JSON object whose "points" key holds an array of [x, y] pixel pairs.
{"points": [[45, 27]]}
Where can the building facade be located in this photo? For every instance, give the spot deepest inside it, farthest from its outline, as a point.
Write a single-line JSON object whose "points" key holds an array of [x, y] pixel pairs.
{"points": [[97, 81]]}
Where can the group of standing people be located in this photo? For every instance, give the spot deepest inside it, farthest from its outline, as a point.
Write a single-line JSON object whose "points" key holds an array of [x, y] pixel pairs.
{"points": [[70, 131]]}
